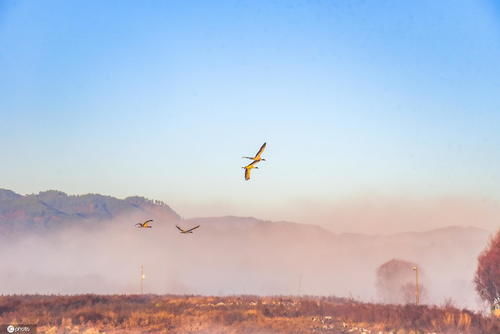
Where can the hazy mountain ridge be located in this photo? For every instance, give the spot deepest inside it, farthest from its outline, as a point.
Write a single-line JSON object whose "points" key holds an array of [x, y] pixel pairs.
{"points": [[54, 208]]}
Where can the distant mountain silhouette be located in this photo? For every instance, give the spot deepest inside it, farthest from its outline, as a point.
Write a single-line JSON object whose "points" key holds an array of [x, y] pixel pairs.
{"points": [[55, 208], [8, 195]]}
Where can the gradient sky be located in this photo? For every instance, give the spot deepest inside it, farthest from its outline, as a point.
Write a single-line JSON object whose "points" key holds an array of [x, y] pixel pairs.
{"points": [[162, 98]]}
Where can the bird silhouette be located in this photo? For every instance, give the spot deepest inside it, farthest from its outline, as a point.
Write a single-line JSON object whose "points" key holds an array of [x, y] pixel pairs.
{"points": [[187, 231], [145, 224], [258, 157], [248, 168]]}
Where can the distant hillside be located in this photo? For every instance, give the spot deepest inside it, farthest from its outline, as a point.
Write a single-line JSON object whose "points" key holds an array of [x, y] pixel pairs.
{"points": [[54, 209]]}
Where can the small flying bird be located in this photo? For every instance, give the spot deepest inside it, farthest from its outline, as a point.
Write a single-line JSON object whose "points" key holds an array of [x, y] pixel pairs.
{"points": [[187, 231], [248, 168], [258, 155], [145, 224]]}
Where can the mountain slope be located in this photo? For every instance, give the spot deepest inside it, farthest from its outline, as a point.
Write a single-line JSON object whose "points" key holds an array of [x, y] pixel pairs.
{"points": [[56, 209]]}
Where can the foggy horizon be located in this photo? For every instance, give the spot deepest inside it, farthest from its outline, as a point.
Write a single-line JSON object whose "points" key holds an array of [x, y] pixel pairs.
{"points": [[364, 214], [200, 264]]}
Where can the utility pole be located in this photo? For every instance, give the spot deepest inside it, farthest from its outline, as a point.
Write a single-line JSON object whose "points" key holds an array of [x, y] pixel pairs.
{"points": [[142, 279], [417, 292]]}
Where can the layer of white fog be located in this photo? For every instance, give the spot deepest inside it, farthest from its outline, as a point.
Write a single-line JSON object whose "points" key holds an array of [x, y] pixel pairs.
{"points": [[235, 257]]}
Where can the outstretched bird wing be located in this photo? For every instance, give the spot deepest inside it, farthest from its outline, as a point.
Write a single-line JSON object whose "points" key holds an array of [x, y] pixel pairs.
{"points": [[251, 165], [261, 149], [247, 174], [194, 228], [145, 224], [180, 229]]}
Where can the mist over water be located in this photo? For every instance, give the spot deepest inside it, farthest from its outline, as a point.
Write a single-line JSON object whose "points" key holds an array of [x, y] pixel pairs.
{"points": [[234, 257]]}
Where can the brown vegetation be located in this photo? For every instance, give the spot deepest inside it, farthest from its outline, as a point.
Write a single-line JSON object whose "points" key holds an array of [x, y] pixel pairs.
{"points": [[487, 277], [237, 314]]}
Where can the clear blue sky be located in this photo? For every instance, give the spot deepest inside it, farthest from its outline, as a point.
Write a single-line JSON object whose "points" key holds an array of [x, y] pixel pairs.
{"points": [[162, 98]]}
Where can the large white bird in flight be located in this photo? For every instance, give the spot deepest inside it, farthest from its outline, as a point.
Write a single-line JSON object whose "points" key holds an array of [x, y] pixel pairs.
{"points": [[258, 157], [187, 231], [248, 168], [145, 224]]}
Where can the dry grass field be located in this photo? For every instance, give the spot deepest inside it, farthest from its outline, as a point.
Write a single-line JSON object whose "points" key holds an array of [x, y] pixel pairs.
{"points": [[235, 314]]}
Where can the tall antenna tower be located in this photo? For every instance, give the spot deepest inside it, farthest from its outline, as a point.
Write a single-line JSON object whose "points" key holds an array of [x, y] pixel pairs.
{"points": [[417, 292]]}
